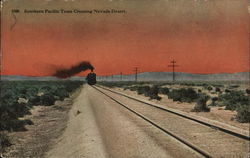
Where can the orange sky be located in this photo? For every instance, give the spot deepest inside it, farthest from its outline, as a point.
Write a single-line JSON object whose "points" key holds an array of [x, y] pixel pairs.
{"points": [[203, 36]]}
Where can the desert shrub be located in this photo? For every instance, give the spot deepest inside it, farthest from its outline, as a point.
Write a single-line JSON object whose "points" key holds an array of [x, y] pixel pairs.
{"points": [[14, 125], [70, 86], [133, 88], [243, 114], [60, 93], [227, 91], [47, 100], [217, 89], [9, 117], [218, 85], [148, 91], [13, 109], [11, 91], [204, 85], [32, 91], [23, 90], [4, 141], [186, 84], [143, 90], [201, 105], [153, 93], [214, 100], [45, 89], [125, 88], [120, 84], [248, 91], [164, 90], [183, 95], [199, 90], [234, 99], [175, 95], [28, 122], [34, 100], [209, 88], [139, 83]]}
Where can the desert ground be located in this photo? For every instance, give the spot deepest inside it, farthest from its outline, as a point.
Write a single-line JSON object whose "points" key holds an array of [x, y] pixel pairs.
{"points": [[89, 124]]}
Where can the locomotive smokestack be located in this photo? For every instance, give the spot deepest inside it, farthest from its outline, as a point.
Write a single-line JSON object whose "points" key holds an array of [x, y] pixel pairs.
{"points": [[65, 73]]}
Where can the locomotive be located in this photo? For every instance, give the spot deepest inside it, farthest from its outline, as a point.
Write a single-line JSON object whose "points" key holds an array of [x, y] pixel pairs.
{"points": [[91, 78]]}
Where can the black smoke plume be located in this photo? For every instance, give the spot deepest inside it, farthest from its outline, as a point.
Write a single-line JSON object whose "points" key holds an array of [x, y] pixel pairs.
{"points": [[65, 73]]}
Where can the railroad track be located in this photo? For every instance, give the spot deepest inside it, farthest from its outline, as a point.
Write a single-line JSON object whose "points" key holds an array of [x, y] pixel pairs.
{"points": [[174, 116]]}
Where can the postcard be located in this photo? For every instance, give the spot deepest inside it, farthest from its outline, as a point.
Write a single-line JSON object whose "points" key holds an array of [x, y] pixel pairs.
{"points": [[124, 78]]}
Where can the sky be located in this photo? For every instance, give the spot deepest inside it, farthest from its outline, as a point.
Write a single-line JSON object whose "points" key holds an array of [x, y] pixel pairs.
{"points": [[203, 36]]}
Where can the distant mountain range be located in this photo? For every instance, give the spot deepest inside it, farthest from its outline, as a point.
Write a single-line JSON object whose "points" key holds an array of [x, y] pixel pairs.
{"points": [[180, 76], [148, 76]]}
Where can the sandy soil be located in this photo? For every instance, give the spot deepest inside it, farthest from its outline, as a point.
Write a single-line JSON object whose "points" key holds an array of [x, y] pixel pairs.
{"points": [[99, 127], [216, 113]]}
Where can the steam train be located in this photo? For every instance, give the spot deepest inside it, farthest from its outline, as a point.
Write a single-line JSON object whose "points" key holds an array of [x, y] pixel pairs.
{"points": [[91, 78]]}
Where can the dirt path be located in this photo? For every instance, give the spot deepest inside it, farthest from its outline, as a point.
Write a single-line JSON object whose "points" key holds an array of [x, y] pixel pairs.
{"points": [[81, 138], [98, 127]]}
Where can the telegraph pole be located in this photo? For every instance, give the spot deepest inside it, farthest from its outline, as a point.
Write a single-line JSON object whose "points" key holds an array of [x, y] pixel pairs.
{"points": [[136, 71], [173, 62], [121, 75]]}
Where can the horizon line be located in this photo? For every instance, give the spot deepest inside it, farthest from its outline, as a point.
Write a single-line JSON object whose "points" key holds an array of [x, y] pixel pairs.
{"points": [[118, 74]]}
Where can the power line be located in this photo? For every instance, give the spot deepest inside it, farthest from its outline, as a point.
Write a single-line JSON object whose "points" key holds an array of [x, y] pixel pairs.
{"points": [[173, 62]]}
